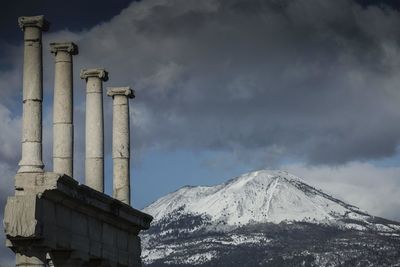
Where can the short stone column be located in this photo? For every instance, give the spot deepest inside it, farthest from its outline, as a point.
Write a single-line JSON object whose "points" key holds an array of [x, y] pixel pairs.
{"points": [[63, 129], [120, 142], [31, 159], [94, 134]]}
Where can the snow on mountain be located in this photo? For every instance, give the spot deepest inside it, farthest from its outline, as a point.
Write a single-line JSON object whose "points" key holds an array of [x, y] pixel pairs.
{"points": [[258, 197], [265, 218]]}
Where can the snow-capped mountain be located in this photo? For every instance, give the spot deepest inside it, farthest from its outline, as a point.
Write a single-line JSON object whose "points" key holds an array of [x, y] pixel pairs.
{"points": [[202, 225], [259, 197]]}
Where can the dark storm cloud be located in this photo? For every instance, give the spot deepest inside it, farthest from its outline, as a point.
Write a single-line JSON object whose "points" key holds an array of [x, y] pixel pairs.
{"points": [[316, 79], [312, 80], [72, 14], [395, 4]]}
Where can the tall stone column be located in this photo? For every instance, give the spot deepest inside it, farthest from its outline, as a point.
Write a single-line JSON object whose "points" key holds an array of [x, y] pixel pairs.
{"points": [[63, 129], [120, 142], [94, 163], [31, 159]]}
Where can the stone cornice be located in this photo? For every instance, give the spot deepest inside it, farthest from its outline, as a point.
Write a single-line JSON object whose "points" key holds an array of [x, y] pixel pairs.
{"points": [[68, 47], [125, 91], [34, 21], [99, 73], [57, 187]]}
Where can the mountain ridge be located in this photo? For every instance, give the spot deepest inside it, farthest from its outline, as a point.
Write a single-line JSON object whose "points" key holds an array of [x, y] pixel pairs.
{"points": [[260, 196], [262, 218]]}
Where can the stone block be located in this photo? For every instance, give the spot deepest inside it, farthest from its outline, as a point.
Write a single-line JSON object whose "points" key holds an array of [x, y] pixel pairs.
{"points": [[20, 217], [63, 238], [123, 257], [49, 212], [95, 248], [122, 240], [109, 235], [110, 253], [134, 243], [95, 229], [53, 212], [79, 224], [63, 217], [80, 242]]}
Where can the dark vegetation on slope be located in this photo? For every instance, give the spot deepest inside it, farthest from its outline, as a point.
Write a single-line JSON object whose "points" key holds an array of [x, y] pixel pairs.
{"points": [[297, 244]]}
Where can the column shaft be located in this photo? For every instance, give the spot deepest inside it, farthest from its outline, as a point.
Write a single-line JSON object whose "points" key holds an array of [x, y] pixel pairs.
{"points": [[94, 169], [121, 149], [121, 142], [63, 129], [31, 159], [94, 134]]}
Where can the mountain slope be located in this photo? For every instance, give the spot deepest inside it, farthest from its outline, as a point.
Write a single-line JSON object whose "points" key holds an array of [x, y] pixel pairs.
{"points": [[257, 213], [260, 197]]}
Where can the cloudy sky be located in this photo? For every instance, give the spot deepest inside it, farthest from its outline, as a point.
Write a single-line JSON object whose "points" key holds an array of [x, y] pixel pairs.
{"points": [[225, 87]]}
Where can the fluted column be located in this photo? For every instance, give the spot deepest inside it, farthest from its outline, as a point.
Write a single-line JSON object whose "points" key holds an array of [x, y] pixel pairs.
{"points": [[94, 162], [31, 158], [120, 142], [63, 129]]}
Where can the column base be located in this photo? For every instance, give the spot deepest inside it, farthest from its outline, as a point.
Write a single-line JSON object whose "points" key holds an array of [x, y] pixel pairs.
{"points": [[30, 168], [63, 165]]}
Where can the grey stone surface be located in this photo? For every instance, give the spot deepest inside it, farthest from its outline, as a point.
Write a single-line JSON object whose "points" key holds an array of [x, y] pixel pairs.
{"points": [[53, 213], [94, 133], [52, 220], [63, 129], [31, 158], [121, 142]]}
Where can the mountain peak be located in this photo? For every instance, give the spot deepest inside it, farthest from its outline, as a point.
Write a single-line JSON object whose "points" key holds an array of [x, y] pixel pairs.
{"points": [[265, 196], [260, 196], [263, 176], [237, 222]]}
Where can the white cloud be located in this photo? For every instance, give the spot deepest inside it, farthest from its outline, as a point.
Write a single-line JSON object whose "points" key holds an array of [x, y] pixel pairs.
{"points": [[372, 188], [10, 134]]}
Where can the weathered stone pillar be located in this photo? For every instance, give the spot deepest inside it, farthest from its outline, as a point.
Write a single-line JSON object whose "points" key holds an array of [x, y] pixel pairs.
{"points": [[120, 142], [94, 163], [63, 129], [31, 159]]}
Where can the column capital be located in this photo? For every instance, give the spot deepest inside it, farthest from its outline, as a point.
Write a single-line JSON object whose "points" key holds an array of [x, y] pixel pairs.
{"points": [[34, 21], [125, 91], [68, 47], [99, 73]]}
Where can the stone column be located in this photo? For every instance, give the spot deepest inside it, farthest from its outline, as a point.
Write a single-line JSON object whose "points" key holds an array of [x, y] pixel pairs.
{"points": [[120, 142], [94, 163], [63, 129], [31, 159]]}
